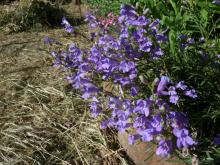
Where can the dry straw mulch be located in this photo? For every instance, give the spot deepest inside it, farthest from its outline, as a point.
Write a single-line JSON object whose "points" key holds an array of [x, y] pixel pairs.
{"points": [[42, 120]]}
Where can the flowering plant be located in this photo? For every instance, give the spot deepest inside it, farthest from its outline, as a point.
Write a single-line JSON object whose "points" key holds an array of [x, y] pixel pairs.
{"points": [[145, 100]]}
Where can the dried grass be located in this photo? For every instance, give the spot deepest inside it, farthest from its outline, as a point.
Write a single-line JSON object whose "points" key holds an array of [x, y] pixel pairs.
{"points": [[42, 120]]}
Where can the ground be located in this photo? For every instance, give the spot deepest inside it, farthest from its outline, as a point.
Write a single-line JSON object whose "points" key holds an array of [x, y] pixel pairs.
{"points": [[42, 119]]}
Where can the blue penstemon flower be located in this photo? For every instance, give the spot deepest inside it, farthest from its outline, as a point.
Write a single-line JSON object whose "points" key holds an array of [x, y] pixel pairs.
{"points": [[115, 58], [68, 27], [165, 148]]}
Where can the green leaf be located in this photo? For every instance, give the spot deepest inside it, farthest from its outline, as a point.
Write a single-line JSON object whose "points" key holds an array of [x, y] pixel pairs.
{"points": [[174, 6], [166, 21], [186, 17], [172, 39], [161, 8], [217, 27], [204, 16], [178, 19]]}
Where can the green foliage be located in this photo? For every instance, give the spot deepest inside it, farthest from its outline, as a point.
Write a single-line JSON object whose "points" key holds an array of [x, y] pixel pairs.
{"points": [[198, 64], [104, 7]]}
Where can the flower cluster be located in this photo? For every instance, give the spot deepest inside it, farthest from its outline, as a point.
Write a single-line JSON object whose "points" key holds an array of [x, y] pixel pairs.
{"points": [[116, 58], [173, 90], [152, 119], [186, 41]]}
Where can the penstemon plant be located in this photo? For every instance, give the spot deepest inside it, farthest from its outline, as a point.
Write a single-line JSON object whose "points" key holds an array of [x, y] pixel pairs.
{"points": [[150, 109]]}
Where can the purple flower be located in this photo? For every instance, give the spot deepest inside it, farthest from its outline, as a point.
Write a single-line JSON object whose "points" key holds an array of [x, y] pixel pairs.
{"points": [[165, 148], [202, 39], [146, 134], [164, 81], [138, 35], [67, 25], [133, 74], [145, 45], [157, 52], [124, 33], [116, 57], [134, 91], [114, 103], [183, 45], [183, 37], [73, 48], [161, 38], [54, 54], [89, 89], [162, 105], [104, 124], [78, 80], [126, 66], [140, 21], [95, 109], [123, 125], [143, 107], [178, 119], [183, 138], [84, 67], [92, 20], [75, 54], [191, 40], [124, 81], [127, 106], [174, 99], [48, 40], [181, 85], [127, 12], [140, 121], [64, 21], [93, 35], [120, 114], [133, 138], [121, 118], [218, 55], [172, 91], [89, 17], [154, 24], [157, 124], [217, 140], [107, 123], [191, 93], [216, 2]]}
